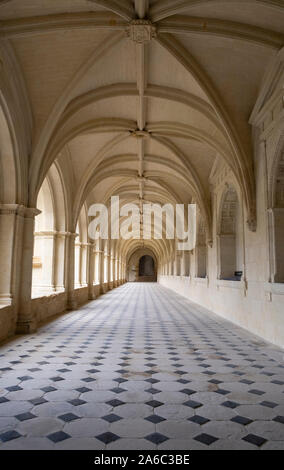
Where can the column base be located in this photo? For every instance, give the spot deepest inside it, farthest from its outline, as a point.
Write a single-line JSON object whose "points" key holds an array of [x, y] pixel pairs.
{"points": [[72, 302], [26, 326], [103, 288], [92, 296]]}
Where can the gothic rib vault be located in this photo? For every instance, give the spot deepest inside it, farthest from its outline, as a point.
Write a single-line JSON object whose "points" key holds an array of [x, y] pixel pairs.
{"points": [[158, 101]]}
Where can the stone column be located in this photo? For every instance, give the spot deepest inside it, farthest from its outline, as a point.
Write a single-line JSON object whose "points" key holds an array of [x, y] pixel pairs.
{"points": [[58, 261], [26, 321], [9, 215], [91, 271], [113, 261], [109, 283], [114, 268], [117, 272], [69, 271], [102, 271]]}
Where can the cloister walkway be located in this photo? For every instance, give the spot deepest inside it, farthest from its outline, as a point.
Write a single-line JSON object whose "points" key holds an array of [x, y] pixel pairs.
{"points": [[141, 368]]}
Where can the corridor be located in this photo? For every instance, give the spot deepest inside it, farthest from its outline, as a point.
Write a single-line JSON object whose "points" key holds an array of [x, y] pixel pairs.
{"points": [[141, 368]]}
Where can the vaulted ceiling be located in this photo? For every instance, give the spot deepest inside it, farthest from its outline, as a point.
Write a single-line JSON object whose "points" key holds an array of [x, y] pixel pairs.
{"points": [[141, 98]]}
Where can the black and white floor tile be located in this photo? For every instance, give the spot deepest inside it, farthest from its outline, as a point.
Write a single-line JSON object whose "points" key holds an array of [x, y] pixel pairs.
{"points": [[141, 368]]}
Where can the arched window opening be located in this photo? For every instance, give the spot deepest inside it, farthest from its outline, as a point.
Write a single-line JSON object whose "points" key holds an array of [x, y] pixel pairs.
{"points": [[44, 243], [230, 238], [278, 222], [49, 237]]}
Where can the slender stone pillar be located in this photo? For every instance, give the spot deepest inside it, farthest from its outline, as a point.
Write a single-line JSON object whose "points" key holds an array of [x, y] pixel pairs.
{"points": [[91, 271], [69, 270], [9, 236], [58, 261], [102, 271], [114, 280], [26, 322]]}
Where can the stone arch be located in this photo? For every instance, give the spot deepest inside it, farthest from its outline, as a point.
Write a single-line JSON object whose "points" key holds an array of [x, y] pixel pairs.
{"points": [[49, 236], [133, 266]]}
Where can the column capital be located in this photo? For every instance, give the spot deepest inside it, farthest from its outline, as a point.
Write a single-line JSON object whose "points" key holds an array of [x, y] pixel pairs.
{"points": [[18, 209]]}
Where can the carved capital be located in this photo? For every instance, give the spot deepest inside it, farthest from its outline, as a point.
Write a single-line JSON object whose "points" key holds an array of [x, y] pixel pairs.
{"points": [[141, 31], [251, 223]]}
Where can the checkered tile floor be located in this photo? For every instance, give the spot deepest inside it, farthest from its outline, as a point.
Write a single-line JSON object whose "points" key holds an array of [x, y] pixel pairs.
{"points": [[141, 368]]}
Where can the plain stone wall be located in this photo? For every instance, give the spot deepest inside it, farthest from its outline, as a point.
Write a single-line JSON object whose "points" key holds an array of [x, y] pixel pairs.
{"points": [[7, 322], [48, 306], [257, 304]]}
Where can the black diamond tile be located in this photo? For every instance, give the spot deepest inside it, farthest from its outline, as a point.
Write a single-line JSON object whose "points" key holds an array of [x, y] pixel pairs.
{"points": [[205, 439], [117, 390], [83, 389], [38, 401], [154, 403], [25, 416], [221, 391], [247, 382], [68, 417], [58, 436], [279, 419], [48, 389], [152, 381], [187, 391], [77, 402], [152, 390], [9, 436], [255, 440], [56, 379], [241, 420], [269, 404], [193, 404], [183, 381], [14, 388], [111, 418], [4, 400], [24, 378], [115, 402], [155, 419], [107, 437], [256, 392], [198, 419], [230, 404], [120, 380], [156, 438], [88, 379]]}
